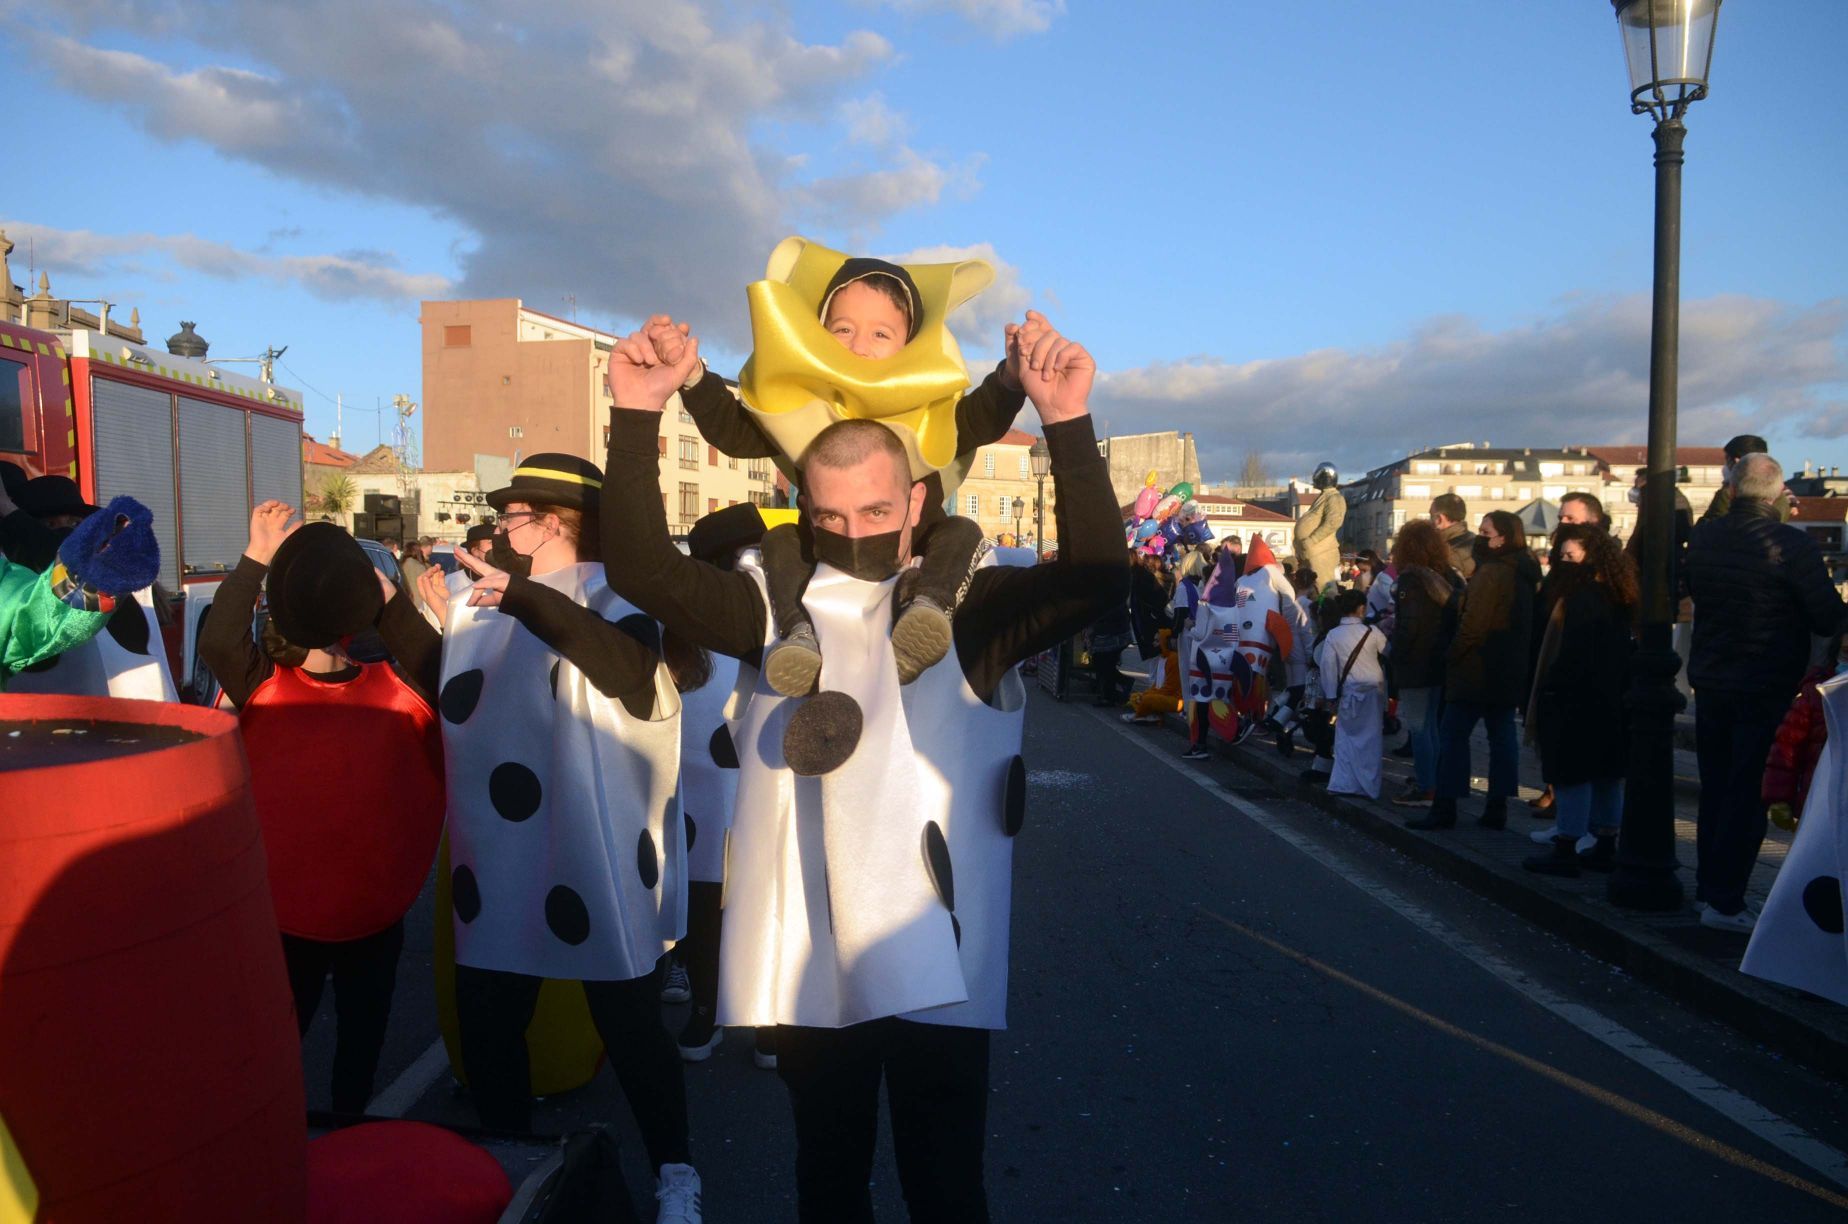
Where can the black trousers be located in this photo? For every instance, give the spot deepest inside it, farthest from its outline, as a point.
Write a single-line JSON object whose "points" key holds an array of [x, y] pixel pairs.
{"points": [[936, 1080], [364, 972], [492, 1011], [1733, 733], [699, 951]]}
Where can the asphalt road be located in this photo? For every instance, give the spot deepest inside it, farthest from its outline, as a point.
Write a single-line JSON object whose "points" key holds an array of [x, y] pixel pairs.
{"points": [[1225, 1006]]}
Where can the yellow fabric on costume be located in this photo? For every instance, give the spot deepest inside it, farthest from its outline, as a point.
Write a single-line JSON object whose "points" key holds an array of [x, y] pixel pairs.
{"points": [[18, 1196], [799, 379], [1165, 697]]}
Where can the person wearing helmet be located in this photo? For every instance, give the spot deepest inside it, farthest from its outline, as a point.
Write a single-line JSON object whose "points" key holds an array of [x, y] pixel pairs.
{"points": [[1317, 545]]}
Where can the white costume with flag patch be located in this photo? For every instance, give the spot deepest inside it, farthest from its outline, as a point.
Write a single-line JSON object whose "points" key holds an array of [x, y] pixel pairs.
{"points": [[880, 888], [567, 853], [104, 667], [1799, 939]]}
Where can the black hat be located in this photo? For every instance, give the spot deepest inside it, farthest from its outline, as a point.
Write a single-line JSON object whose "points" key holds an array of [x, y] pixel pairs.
{"points": [[716, 536], [46, 496], [478, 533], [1746, 444], [860, 268], [322, 587], [14, 478], [553, 480]]}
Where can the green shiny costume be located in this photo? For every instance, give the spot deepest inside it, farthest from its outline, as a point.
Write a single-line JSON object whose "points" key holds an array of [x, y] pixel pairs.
{"points": [[35, 624]]}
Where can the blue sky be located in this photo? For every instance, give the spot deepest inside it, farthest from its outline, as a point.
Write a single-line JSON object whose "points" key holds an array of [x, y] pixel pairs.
{"points": [[1337, 230]]}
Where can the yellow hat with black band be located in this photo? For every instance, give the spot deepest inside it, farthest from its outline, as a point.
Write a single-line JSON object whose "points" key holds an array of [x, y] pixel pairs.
{"points": [[553, 480]]}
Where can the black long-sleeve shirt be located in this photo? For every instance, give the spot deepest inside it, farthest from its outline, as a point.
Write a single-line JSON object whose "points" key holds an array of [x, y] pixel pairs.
{"points": [[1008, 614], [225, 643]]}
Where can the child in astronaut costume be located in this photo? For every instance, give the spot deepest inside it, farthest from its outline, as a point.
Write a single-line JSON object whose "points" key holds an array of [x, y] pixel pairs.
{"points": [[567, 853], [868, 888]]}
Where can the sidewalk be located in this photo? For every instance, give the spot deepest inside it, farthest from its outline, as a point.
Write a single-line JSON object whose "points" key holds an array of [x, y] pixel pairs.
{"points": [[1672, 952]]}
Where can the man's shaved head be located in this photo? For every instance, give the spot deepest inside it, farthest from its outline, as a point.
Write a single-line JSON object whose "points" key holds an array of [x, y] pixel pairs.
{"points": [[846, 444]]}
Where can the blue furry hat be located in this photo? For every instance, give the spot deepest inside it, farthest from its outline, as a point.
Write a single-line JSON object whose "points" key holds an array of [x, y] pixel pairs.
{"points": [[112, 553]]}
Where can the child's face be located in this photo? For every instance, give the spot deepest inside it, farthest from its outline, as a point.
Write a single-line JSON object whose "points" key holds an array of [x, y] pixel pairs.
{"points": [[866, 321]]}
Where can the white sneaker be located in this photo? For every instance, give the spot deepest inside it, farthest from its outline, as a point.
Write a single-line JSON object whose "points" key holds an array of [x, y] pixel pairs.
{"points": [[677, 1191], [679, 987], [1741, 922]]}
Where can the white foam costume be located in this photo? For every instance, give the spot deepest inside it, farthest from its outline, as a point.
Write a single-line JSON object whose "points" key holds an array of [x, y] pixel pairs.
{"points": [[709, 765], [103, 667], [881, 888], [1799, 939], [1361, 711], [567, 853]]}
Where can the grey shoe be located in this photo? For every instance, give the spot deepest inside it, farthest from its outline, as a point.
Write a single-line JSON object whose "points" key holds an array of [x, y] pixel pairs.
{"points": [[794, 663], [921, 638]]}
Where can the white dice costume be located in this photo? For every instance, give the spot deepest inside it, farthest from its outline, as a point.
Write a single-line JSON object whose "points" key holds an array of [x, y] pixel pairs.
{"points": [[709, 765], [566, 846], [881, 887], [104, 667], [1799, 938]]}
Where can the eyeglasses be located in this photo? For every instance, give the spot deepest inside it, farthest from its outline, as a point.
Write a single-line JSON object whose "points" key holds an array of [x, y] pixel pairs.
{"points": [[514, 514]]}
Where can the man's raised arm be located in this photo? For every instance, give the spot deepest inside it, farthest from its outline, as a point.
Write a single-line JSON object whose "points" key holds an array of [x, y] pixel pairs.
{"points": [[714, 608]]}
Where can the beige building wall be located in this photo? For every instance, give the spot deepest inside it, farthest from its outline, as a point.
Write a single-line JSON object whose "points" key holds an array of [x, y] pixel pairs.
{"points": [[1001, 472], [504, 380], [1171, 456]]}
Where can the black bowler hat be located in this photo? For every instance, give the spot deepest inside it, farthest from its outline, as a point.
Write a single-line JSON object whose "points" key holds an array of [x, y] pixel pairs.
{"points": [[322, 587], [861, 268], [14, 478], [1746, 444], [718, 535], [45, 496], [478, 533], [553, 480]]}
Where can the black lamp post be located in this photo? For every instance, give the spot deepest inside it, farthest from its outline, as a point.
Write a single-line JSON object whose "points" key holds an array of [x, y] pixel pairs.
{"points": [[1042, 465], [1668, 45], [1020, 508]]}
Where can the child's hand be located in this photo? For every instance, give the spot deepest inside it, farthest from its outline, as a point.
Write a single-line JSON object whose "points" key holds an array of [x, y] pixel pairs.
{"points": [[269, 527], [670, 340], [1058, 374], [433, 587], [640, 377], [1019, 341]]}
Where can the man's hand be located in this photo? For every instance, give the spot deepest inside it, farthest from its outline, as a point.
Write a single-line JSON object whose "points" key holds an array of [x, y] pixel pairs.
{"points": [[433, 586], [1018, 340], [270, 525], [1057, 373], [642, 375], [490, 582]]}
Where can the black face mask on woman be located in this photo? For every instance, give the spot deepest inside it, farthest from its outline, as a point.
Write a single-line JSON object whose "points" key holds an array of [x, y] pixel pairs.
{"points": [[871, 558], [502, 555]]}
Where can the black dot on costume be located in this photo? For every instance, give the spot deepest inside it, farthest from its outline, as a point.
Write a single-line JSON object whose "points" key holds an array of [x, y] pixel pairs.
{"points": [[461, 694], [464, 893], [956, 930], [554, 678], [1822, 901], [1014, 804], [129, 627], [514, 791], [692, 829], [646, 861], [566, 915], [937, 863], [642, 629], [822, 734], [724, 752]]}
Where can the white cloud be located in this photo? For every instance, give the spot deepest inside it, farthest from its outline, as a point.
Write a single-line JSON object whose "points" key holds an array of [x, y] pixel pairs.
{"points": [[978, 322], [355, 274], [638, 154], [1578, 377], [997, 18]]}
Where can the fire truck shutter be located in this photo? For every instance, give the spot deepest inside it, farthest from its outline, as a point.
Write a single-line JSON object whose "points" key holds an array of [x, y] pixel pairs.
{"points": [[134, 455], [275, 459], [214, 498]]}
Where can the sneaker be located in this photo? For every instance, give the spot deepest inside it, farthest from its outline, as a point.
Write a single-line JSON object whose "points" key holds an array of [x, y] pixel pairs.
{"points": [[1403, 751], [1196, 754], [1411, 796], [1601, 855], [677, 1190], [700, 1037], [794, 663], [1245, 727], [679, 987], [1286, 742], [764, 1053], [1741, 922], [920, 638]]}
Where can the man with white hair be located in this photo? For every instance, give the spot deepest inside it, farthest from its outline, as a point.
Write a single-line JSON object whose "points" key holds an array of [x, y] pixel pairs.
{"points": [[1760, 589]]}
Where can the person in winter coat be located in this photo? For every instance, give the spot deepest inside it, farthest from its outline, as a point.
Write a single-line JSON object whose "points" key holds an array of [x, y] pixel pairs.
{"points": [[1485, 673], [1760, 590], [1425, 602], [1576, 712], [1450, 514]]}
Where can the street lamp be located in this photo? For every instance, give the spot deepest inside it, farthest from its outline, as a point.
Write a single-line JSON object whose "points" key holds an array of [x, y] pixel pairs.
{"points": [[1042, 464], [1668, 45], [1020, 508]]}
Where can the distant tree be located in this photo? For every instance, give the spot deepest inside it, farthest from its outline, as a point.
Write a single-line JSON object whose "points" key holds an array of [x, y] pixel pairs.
{"points": [[1255, 470], [337, 494]]}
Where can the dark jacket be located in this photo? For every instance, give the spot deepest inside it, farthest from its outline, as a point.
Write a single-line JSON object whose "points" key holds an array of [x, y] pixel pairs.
{"points": [[1462, 542], [1424, 620], [1578, 713], [1760, 590], [1487, 661]]}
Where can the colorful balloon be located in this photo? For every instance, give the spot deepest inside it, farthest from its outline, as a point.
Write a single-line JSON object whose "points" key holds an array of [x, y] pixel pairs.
{"points": [[1165, 508], [1146, 501], [1147, 528]]}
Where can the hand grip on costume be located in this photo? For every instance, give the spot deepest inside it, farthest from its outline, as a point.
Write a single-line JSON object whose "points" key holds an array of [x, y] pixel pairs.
{"points": [[641, 375], [111, 553]]}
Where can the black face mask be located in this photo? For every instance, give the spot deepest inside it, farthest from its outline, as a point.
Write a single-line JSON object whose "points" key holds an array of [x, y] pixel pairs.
{"points": [[503, 555], [871, 558]]}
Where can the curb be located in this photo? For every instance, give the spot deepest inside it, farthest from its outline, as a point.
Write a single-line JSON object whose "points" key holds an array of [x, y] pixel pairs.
{"points": [[1811, 1030]]}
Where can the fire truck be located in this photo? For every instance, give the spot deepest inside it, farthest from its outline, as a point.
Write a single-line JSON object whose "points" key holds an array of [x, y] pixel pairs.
{"points": [[199, 446]]}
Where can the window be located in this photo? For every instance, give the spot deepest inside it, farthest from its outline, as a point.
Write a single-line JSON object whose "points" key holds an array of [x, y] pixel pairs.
{"points": [[1495, 494], [15, 394], [1026, 469], [1001, 508], [689, 455], [662, 440], [975, 505], [1552, 469], [758, 469], [689, 502], [1553, 492], [712, 456], [1467, 491], [458, 337], [1415, 491], [686, 418], [733, 465], [1426, 469], [712, 503], [988, 465]]}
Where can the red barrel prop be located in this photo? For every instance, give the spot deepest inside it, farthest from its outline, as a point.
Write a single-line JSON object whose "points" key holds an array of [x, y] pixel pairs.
{"points": [[149, 1063]]}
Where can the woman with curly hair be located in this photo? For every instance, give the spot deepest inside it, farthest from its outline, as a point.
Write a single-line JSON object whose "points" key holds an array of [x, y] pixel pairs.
{"points": [[1575, 713]]}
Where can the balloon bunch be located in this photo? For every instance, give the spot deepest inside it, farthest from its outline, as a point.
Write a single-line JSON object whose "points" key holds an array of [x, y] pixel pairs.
{"points": [[1164, 524]]}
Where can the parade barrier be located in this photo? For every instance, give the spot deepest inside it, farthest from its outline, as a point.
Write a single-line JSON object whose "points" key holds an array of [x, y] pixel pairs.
{"points": [[152, 1069]]}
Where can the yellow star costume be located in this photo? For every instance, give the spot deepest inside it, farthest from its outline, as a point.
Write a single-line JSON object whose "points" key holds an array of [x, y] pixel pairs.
{"points": [[799, 379]]}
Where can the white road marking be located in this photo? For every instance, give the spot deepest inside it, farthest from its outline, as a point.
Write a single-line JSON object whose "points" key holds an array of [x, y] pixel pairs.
{"points": [[1784, 1135], [403, 1092]]}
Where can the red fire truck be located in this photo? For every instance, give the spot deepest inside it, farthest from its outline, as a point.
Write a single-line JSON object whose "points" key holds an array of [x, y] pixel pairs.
{"points": [[199, 446]]}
